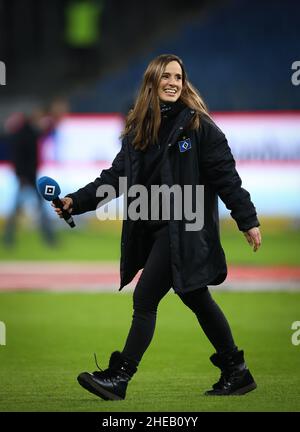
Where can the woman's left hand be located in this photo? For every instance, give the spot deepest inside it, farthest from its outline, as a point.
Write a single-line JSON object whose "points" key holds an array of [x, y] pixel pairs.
{"points": [[253, 237]]}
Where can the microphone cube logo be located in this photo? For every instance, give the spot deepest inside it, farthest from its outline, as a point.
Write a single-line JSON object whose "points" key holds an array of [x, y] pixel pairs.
{"points": [[2, 73], [2, 333], [49, 190]]}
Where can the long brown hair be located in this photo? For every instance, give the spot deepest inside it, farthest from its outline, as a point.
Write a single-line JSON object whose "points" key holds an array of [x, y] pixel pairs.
{"points": [[144, 119]]}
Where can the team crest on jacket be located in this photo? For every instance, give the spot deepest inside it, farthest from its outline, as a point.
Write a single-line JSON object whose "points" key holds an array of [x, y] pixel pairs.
{"points": [[185, 145]]}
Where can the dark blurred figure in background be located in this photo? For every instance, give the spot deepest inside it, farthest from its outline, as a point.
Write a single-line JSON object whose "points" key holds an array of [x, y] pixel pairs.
{"points": [[58, 108], [82, 37], [25, 134]]}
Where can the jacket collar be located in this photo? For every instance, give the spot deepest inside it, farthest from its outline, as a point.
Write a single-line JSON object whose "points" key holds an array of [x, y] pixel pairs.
{"points": [[182, 122]]}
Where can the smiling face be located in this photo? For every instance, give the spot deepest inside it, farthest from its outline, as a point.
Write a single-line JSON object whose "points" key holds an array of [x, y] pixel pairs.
{"points": [[170, 85]]}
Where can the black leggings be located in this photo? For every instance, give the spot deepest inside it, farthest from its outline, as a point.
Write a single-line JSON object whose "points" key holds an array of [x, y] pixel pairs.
{"points": [[154, 283]]}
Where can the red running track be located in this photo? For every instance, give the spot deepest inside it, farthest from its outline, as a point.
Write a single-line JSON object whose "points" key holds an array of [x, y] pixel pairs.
{"points": [[103, 277]]}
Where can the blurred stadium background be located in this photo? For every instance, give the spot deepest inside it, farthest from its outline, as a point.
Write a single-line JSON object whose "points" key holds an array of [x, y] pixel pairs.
{"points": [[72, 69]]}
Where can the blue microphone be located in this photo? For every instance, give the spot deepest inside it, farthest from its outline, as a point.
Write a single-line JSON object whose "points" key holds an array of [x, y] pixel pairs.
{"points": [[50, 190]]}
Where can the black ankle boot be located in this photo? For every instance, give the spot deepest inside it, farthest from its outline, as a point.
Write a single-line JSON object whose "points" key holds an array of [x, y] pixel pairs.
{"points": [[110, 384], [235, 379]]}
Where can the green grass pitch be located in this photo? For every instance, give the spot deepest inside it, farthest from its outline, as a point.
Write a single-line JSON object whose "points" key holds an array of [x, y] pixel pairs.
{"points": [[100, 241], [51, 338]]}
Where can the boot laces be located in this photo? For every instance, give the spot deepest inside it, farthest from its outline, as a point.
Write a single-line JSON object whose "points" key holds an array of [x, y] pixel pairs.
{"points": [[114, 371], [222, 381], [103, 373], [226, 379], [96, 361]]}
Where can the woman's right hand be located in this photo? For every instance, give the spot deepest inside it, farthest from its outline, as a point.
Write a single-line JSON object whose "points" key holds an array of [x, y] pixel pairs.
{"points": [[68, 205]]}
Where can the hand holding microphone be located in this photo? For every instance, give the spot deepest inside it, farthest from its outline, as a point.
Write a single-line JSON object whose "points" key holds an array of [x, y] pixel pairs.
{"points": [[67, 203], [50, 190]]}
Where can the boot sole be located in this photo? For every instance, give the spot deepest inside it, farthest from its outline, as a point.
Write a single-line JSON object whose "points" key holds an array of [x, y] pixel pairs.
{"points": [[245, 389], [238, 392], [86, 381]]}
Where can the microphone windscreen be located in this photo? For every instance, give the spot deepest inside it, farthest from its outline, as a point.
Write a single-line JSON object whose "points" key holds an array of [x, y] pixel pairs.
{"points": [[48, 188]]}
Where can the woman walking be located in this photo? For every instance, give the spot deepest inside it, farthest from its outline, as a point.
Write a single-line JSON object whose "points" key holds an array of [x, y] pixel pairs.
{"points": [[169, 139]]}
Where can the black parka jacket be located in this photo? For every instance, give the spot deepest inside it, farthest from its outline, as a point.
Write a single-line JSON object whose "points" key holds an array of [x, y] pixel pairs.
{"points": [[197, 257]]}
